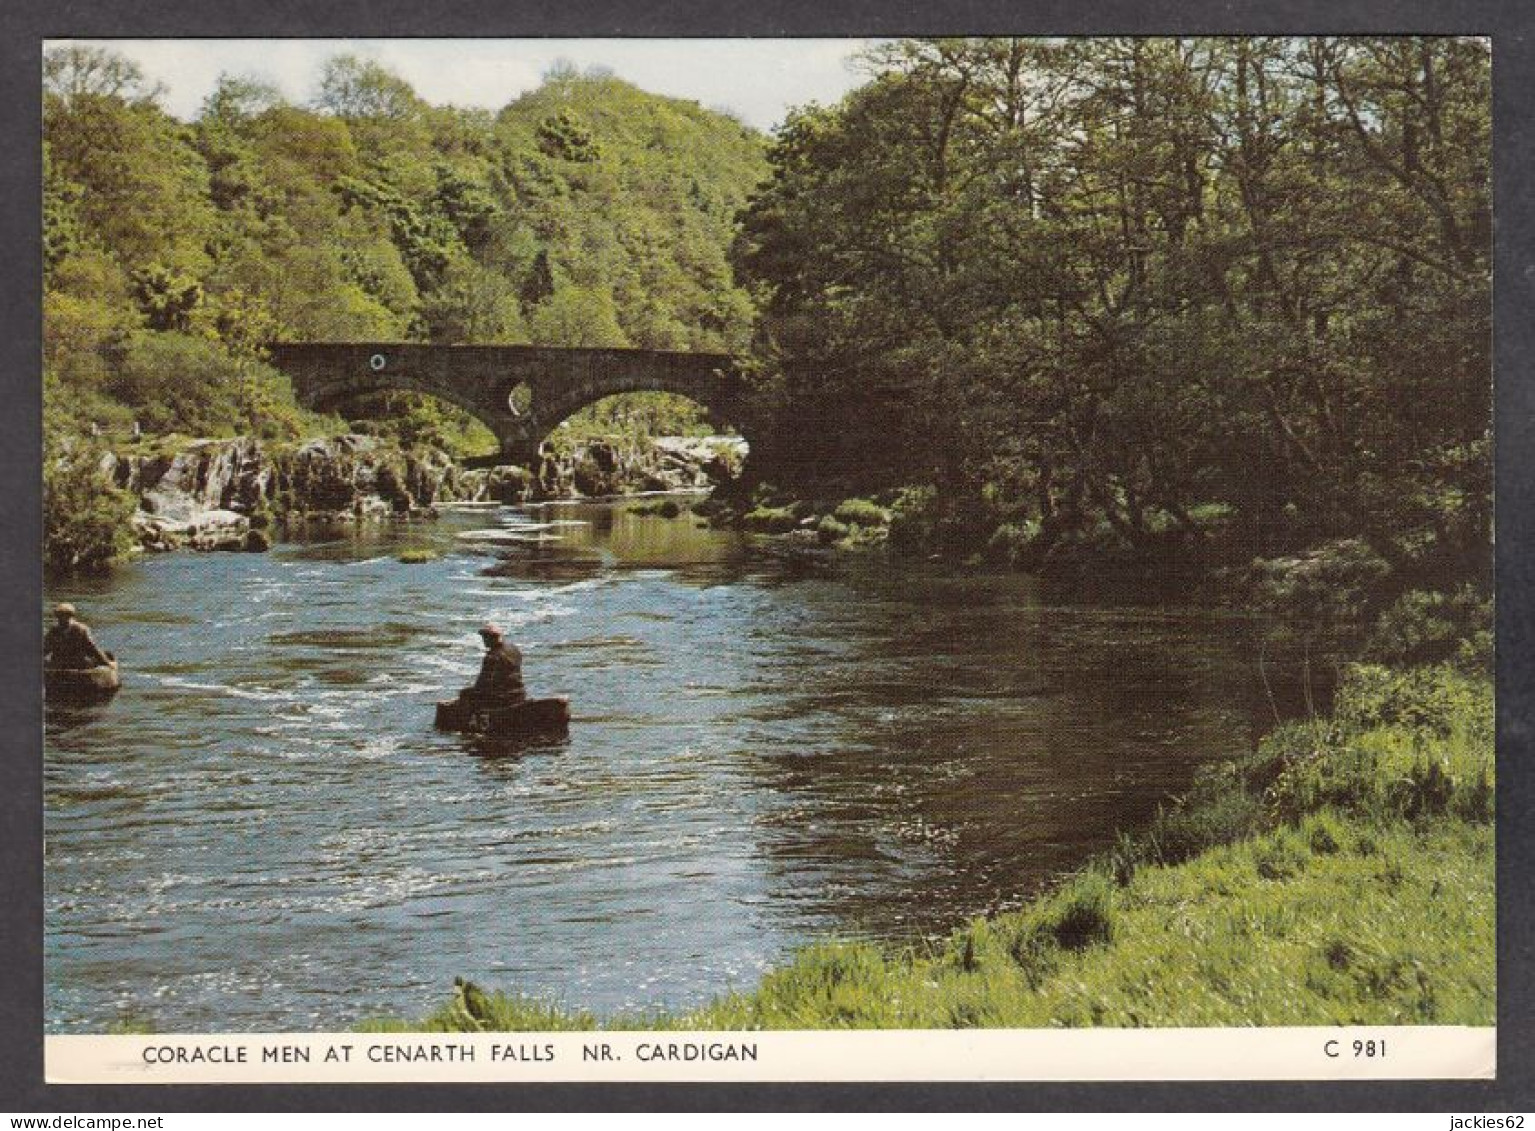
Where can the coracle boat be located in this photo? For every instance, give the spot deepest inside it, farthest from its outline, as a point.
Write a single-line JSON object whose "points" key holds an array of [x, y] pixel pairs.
{"points": [[82, 684], [530, 717]]}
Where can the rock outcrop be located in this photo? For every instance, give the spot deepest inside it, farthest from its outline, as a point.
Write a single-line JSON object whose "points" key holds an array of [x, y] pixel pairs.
{"points": [[225, 494], [342, 478], [611, 466], [201, 496]]}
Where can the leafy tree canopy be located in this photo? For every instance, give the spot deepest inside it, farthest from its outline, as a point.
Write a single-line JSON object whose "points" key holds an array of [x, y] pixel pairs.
{"points": [[587, 213], [1126, 282]]}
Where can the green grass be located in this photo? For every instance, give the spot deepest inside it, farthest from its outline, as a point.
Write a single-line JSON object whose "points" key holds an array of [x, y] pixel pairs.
{"points": [[418, 555], [1386, 926], [1341, 874]]}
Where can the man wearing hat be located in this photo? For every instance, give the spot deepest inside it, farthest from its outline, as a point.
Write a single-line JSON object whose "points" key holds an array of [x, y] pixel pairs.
{"points": [[69, 644], [500, 679]]}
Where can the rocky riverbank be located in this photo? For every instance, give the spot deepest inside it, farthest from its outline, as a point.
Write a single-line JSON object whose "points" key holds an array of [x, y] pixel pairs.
{"points": [[230, 494]]}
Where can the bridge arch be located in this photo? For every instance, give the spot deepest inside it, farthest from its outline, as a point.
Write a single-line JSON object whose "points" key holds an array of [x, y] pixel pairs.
{"points": [[521, 393], [335, 396]]}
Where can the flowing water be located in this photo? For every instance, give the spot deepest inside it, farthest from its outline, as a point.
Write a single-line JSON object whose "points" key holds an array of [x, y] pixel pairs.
{"points": [[263, 831]]}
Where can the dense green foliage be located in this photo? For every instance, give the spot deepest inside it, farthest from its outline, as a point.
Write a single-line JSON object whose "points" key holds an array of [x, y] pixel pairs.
{"points": [[584, 213], [1340, 875], [85, 519], [1426, 627], [1112, 287]]}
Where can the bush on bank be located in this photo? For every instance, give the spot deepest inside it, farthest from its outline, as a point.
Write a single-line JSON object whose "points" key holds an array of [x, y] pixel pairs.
{"points": [[85, 519], [1341, 874]]}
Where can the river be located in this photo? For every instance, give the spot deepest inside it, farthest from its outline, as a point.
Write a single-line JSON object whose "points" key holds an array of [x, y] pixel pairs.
{"points": [[263, 831]]}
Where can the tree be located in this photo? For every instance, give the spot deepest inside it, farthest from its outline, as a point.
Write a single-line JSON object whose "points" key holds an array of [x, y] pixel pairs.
{"points": [[144, 187], [168, 299], [352, 87], [472, 306], [63, 234], [576, 316], [239, 98], [539, 281], [73, 70], [1097, 282]]}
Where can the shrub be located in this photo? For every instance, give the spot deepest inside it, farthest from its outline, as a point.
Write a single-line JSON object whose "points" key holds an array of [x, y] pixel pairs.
{"points": [[86, 520], [1425, 791], [1436, 700], [1324, 834], [168, 298], [1318, 593], [770, 520], [1125, 858], [1012, 541], [1424, 627], [914, 519], [414, 420], [830, 530], [1212, 516], [1475, 800], [666, 508], [1403, 744], [861, 512]]}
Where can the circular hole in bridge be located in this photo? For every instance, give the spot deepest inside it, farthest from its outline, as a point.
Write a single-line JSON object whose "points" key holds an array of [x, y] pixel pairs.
{"points": [[520, 399]]}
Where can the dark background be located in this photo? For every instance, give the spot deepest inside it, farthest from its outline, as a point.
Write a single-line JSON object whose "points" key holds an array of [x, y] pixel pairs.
{"points": [[24, 24]]}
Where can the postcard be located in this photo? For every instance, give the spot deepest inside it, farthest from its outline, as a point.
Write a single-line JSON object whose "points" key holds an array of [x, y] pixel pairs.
{"points": [[799, 559]]}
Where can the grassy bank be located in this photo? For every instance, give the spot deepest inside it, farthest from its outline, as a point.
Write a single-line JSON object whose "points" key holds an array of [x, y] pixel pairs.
{"points": [[1341, 874]]}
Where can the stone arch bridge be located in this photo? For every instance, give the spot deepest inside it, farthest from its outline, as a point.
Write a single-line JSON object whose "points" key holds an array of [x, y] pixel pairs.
{"points": [[521, 393]]}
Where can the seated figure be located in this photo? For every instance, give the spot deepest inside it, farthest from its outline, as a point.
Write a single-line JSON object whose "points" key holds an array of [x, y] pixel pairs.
{"points": [[500, 680], [69, 644], [497, 703]]}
